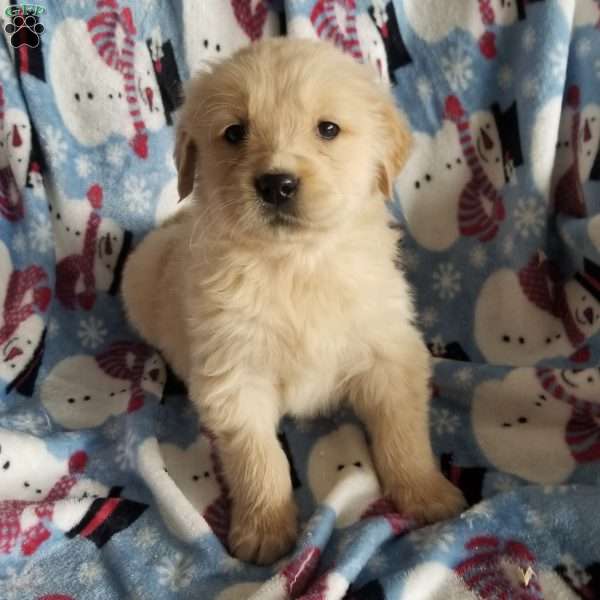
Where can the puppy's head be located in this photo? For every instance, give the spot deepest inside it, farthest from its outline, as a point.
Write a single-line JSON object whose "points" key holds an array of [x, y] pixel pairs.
{"points": [[288, 137]]}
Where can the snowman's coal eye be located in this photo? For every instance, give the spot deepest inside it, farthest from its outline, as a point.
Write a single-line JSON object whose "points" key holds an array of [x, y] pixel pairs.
{"points": [[358, 464], [522, 420], [583, 298], [506, 425], [521, 340], [71, 400], [26, 483], [195, 477], [542, 397], [340, 467], [506, 338], [6, 465], [206, 474], [488, 126], [590, 380]]}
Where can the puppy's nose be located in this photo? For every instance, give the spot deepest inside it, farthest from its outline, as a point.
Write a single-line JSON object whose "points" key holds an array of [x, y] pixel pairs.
{"points": [[276, 188]]}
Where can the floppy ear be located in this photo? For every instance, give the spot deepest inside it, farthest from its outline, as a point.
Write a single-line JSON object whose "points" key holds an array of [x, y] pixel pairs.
{"points": [[186, 155], [398, 143]]}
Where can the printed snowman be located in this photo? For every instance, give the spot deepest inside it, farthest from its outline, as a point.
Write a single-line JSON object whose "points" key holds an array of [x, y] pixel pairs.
{"points": [[520, 428], [577, 152], [84, 391], [11, 144], [585, 581], [526, 316], [581, 13], [32, 482], [90, 250], [341, 474], [478, 18], [104, 81], [25, 296], [451, 183], [16, 140], [214, 29], [187, 484], [169, 202]]}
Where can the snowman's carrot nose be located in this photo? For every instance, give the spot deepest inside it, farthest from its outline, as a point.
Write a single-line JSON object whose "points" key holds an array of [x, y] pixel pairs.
{"points": [[488, 142], [587, 132], [16, 137]]}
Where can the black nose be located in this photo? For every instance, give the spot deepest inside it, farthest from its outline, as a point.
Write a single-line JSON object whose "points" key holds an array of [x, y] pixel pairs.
{"points": [[276, 188]]}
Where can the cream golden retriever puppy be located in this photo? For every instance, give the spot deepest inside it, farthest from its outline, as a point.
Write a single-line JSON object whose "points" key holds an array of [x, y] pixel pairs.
{"points": [[276, 293]]}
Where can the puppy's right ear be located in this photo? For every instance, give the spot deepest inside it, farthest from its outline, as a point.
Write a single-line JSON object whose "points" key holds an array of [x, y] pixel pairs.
{"points": [[186, 155]]}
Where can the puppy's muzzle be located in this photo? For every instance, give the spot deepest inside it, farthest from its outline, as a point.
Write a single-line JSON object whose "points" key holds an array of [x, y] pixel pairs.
{"points": [[277, 189]]}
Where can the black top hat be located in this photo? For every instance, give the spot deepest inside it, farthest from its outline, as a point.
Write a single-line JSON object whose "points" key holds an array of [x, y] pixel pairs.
{"points": [[595, 172], [590, 278], [507, 123]]}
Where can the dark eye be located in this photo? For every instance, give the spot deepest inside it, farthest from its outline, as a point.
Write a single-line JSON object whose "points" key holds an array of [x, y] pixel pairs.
{"points": [[234, 134], [328, 130]]}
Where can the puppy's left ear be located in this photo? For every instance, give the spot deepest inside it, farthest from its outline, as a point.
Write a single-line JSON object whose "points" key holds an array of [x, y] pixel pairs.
{"points": [[397, 145], [186, 156]]}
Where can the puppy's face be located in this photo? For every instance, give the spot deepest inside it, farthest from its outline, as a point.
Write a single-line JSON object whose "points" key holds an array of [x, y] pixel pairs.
{"points": [[288, 137]]}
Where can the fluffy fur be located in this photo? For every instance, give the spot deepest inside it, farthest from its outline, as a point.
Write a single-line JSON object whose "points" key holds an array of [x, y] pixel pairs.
{"points": [[264, 316]]}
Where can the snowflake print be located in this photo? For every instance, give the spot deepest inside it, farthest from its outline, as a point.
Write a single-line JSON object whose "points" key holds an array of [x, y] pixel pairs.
{"points": [[443, 421], [529, 38], [19, 242], [89, 573], [409, 260], [175, 572], [125, 452], [508, 246], [5, 67], [115, 154], [437, 346], [446, 281], [146, 537], [434, 537], [19, 584], [28, 422], [424, 89], [533, 518], [584, 47], [458, 68], [136, 195], [530, 217], [505, 77], [379, 563], [504, 483], [429, 317], [229, 564], [91, 332], [558, 60], [556, 489], [597, 67], [84, 166], [477, 513], [114, 428], [53, 327], [530, 88], [41, 236], [463, 376], [54, 144], [478, 257]]}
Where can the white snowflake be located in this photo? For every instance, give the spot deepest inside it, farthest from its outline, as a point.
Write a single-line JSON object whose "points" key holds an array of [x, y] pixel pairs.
{"points": [[443, 421], [504, 483], [463, 376], [505, 77], [584, 47], [597, 67], [20, 583], [125, 451], [84, 166], [41, 236], [558, 60], [113, 429], [91, 332], [136, 195], [6, 68], [28, 422], [429, 317], [437, 345], [478, 512], [458, 68], [578, 576], [19, 242], [529, 217], [556, 489], [434, 537], [53, 327], [115, 154], [508, 246], [478, 257], [446, 281], [229, 564], [533, 518], [530, 88], [424, 89], [54, 143], [409, 259], [529, 38], [89, 573], [175, 572], [146, 537]]}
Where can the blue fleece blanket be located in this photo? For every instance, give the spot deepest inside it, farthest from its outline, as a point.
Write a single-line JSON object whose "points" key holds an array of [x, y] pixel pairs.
{"points": [[108, 487]]}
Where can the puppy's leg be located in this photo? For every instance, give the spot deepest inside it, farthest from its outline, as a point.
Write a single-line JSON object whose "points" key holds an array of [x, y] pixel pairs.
{"points": [[244, 421], [391, 398]]}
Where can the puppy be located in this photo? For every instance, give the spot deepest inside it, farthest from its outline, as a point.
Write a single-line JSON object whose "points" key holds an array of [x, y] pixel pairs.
{"points": [[275, 291]]}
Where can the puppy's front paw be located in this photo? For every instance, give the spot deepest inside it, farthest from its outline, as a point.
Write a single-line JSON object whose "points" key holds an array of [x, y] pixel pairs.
{"points": [[428, 498], [263, 534]]}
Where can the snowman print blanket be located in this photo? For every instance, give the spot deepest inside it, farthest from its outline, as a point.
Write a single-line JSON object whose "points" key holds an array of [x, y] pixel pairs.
{"points": [[111, 489]]}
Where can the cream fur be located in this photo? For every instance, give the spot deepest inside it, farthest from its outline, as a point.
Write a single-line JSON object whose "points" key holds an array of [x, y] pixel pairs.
{"points": [[263, 320]]}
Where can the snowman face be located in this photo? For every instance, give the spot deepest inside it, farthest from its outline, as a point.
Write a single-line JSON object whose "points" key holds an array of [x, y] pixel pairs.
{"points": [[148, 91], [511, 330], [584, 308], [239, 590], [582, 383], [69, 220], [589, 139], [521, 428], [371, 45], [16, 139], [486, 140], [193, 472], [430, 185], [302, 27], [27, 470], [108, 249], [89, 94], [564, 144], [154, 376], [505, 11], [435, 581], [18, 350], [77, 394], [341, 474]]}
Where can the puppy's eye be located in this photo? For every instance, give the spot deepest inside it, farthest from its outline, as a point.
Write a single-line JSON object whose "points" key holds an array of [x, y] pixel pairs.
{"points": [[328, 130], [234, 134]]}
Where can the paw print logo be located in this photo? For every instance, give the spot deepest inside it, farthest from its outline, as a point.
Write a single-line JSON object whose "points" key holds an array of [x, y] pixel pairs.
{"points": [[24, 30]]}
